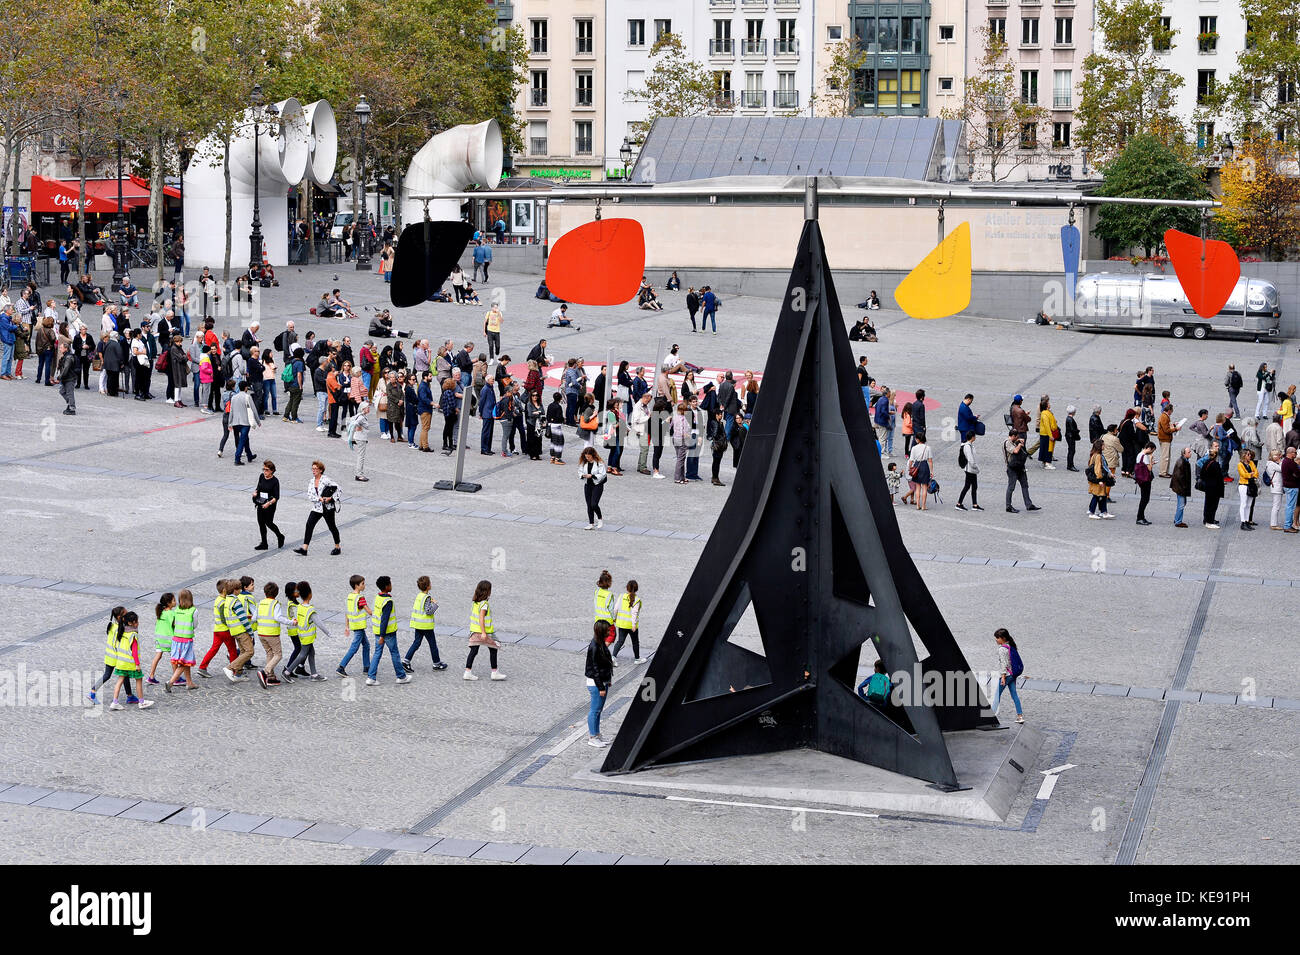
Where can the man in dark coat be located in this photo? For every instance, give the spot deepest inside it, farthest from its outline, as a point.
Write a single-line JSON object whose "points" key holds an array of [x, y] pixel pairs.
{"points": [[1180, 483], [918, 415]]}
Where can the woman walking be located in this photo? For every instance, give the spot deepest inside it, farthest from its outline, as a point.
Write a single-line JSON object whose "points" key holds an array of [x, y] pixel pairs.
{"points": [[1143, 475], [600, 673], [481, 631], [593, 473], [534, 425], [1248, 488], [920, 463], [1049, 432], [555, 427], [1100, 481], [265, 498], [1009, 670], [322, 493], [270, 375]]}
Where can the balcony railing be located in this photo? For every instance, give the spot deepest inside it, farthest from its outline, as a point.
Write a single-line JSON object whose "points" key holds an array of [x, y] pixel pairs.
{"points": [[1062, 100], [755, 48], [536, 146], [722, 46], [785, 99], [724, 99], [787, 46], [537, 98], [583, 98], [753, 99]]}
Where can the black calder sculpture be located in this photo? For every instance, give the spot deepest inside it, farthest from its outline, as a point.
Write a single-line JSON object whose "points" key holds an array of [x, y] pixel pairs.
{"points": [[426, 253], [808, 535]]}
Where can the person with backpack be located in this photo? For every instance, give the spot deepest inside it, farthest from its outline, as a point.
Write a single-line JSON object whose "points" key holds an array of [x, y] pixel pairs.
{"points": [[1143, 475], [1209, 480], [875, 689], [1232, 381], [1010, 667], [966, 461]]}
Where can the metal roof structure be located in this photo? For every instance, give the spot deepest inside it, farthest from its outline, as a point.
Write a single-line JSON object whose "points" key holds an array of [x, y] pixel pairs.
{"points": [[680, 149]]}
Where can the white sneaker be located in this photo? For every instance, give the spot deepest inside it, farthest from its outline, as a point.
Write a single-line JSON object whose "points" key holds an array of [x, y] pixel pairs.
{"points": [[1049, 467], [1108, 516], [498, 676], [405, 679], [145, 704], [116, 706], [600, 522], [596, 741], [469, 676], [370, 682], [590, 527], [1213, 527], [1095, 517], [230, 674], [639, 660], [658, 476], [321, 428]]}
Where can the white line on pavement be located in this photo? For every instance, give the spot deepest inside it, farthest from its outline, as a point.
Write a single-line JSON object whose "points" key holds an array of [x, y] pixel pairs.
{"points": [[763, 805]]}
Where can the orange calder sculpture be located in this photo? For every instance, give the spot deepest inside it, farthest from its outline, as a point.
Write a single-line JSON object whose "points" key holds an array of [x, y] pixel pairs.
{"points": [[600, 263], [1207, 282]]}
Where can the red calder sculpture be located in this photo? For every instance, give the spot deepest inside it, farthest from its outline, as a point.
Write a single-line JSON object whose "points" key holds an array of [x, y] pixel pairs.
{"points": [[600, 263], [1207, 281]]}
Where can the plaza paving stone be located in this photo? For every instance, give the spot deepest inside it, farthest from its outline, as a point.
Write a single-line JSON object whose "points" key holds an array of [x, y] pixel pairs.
{"points": [[128, 500]]}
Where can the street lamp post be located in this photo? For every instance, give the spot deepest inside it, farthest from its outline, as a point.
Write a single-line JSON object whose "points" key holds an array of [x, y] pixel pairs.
{"points": [[255, 236], [625, 153], [362, 112]]}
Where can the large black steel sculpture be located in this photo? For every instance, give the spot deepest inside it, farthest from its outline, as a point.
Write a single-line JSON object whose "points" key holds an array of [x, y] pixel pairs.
{"points": [[808, 536], [426, 253]]}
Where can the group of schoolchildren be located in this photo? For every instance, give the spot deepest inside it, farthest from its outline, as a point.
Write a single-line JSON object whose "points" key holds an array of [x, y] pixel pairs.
{"points": [[238, 616]]}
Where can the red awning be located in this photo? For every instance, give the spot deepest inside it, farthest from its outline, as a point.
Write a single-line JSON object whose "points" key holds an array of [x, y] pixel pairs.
{"points": [[61, 195]]}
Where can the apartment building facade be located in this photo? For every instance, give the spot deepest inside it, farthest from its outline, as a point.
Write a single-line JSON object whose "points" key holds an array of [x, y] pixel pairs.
{"points": [[1210, 36], [562, 103], [761, 54]]}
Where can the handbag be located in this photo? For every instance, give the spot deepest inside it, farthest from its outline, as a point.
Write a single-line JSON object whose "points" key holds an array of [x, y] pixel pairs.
{"points": [[1056, 434]]}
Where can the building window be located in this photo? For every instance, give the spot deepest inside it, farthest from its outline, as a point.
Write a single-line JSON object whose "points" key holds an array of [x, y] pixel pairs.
{"points": [[901, 89], [911, 39], [1029, 87], [864, 34], [1060, 135], [864, 82], [754, 97], [946, 31], [1208, 39], [945, 84], [584, 88], [1283, 135], [636, 33], [1250, 32], [1065, 31], [538, 94], [1029, 31], [537, 137], [635, 85], [755, 45], [834, 34], [582, 137], [662, 27], [786, 42], [1204, 135], [998, 27], [994, 138], [584, 42], [721, 42], [1062, 89], [722, 89], [887, 34], [1162, 44], [1028, 135], [1204, 85], [786, 96], [539, 37]]}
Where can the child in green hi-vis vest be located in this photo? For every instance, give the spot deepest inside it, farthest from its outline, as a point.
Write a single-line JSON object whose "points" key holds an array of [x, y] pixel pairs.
{"points": [[165, 614]]}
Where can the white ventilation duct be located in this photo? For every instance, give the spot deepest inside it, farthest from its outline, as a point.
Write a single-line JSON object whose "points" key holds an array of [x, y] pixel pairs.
{"points": [[323, 142], [285, 152], [451, 162]]}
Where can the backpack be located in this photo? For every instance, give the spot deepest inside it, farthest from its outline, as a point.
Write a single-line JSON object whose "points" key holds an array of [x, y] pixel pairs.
{"points": [[1017, 665], [1268, 477], [227, 367], [278, 342], [961, 456], [1236, 381], [878, 687], [287, 375], [1200, 463], [162, 362]]}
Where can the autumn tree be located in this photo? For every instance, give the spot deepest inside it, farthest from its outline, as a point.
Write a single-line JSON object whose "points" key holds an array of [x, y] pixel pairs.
{"points": [[1148, 168], [839, 94], [1261, 200], [1259, 98], [676, 85], [1127, 90], [1004, 125]]}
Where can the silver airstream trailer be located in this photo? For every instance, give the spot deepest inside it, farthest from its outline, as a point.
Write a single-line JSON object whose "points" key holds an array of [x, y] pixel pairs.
{"points": [[1156, 303]]}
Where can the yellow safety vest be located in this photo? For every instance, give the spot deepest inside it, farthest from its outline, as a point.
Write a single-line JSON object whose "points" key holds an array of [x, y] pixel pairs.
{"points": [[626, 620], [419, 619], [183, 623], [377, 616], [125, 659], [356, 616], [219, 613], [474, 625], [604, 605], [110, 644], [267, 625], [306, 623], [232, 618], [293, 618], [493, 318]]}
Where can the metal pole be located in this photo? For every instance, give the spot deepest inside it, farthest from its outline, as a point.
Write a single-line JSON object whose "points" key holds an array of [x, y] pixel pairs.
{"points": [[255, 236], [363, 220], [810, 199], [119, 240]]}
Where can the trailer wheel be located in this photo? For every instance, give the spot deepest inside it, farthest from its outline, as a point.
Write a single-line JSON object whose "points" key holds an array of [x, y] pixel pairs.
{"points": [[1179, 331], [1200, 332]]}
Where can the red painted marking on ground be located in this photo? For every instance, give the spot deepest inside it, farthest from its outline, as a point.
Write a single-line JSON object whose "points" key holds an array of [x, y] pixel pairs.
{"points": [[907, 397], [168, 427]]}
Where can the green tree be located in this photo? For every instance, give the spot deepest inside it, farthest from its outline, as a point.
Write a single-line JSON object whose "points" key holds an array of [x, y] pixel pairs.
{"points": [[839, 79], [1004, 130], [676, 85], [1127, 90], [1148, 168], [1259, 98]]}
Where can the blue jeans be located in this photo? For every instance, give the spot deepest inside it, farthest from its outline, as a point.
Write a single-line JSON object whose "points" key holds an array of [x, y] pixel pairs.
{"points": [[1291, 494], [1178, 508], [241, 440], [593, 714], [1010, 687], [195, 377], [358, 640], [389, 644], [421, 636], [44, 367], [727, 423], [707, 317], [321, 401], [185, 317], [269, 395], [7, 358], [570, 407], [692, 465], [485, 442]]}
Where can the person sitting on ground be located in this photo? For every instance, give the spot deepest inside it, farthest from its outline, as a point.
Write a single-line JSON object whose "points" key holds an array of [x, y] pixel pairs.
{"points": [[88, 292], [265, 275], [323, 308], [875, 688], [872, 303], [381, 326], [863, 331], [469, 296], [674, 283], [646, 297], [442, 295], [560, 318], [128, 294], [244, 287]]}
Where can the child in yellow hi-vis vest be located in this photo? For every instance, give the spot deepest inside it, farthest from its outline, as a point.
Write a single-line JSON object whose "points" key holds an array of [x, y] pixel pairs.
{"points": [[127, 665], [481, 631], [112, 633], [308, 627], [628, 622]]}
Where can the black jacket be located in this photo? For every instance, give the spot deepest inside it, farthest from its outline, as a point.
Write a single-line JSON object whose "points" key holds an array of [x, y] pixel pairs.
{"points": [[1071, 429], [1095, 428], [1180, 481], [600, 665]]}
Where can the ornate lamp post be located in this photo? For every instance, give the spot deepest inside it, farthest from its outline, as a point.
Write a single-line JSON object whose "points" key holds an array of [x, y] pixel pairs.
{"points": [[625, 154], [362, 113], [255, 237]]}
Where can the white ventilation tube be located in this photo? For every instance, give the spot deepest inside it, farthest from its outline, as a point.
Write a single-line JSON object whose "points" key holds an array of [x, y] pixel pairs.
{"points": [[323, 142], [451, 162], [284, 161]]}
